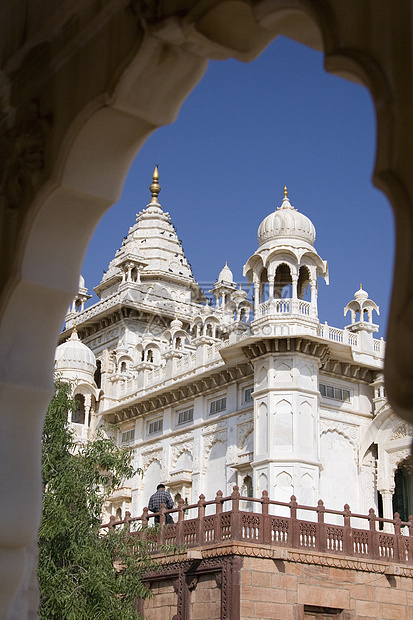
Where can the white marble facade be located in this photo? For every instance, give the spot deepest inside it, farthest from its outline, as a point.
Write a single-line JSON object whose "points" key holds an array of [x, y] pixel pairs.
{"points": [[252, 390]]}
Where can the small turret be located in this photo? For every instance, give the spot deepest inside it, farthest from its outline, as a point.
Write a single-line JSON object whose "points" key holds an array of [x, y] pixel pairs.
{"points": [[224, 286], [78, 303], [361, 311]]}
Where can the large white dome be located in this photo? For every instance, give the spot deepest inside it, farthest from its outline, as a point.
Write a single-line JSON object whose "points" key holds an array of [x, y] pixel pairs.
{"points": [[74, 356], [286, 221]]}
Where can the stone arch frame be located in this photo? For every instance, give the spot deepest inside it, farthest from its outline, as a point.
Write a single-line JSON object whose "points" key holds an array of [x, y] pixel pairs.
{"points": [[156, 354], [80, 401], [281, 267], [278, 257], [183, 336], [165, 58], [197, 327], [380, 432], [209, 440], [180, 450], [210, 321], [263, 278], [148, 459], [244, 311], [301, 290], [126, 359], [340, 431]]}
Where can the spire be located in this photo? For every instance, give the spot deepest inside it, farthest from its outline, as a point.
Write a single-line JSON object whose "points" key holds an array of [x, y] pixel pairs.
{"points": [[155, 188], [286, 204], [74, 334]]}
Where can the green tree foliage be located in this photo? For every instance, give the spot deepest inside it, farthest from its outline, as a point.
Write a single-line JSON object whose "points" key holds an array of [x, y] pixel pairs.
{"points": [[84, 573]]}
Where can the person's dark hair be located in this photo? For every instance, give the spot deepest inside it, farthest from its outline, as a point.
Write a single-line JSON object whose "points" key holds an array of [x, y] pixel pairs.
{"points": [[160, 486]]}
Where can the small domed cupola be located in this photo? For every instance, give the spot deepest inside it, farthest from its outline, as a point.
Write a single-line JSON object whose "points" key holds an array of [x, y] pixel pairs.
{"points": [[78, 303], [74, 360], [285, 268], [225, 275], [361, 311], [286, 222], [224, 286]]}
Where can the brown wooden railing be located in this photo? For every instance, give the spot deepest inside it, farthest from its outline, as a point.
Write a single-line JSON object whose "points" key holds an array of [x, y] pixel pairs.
{"points": [[376, 538]]}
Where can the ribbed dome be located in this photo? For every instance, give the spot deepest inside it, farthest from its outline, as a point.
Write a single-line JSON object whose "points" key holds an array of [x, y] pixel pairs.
{"points": [[361, 295], [286, 221], [73, 355], [226, 275]]}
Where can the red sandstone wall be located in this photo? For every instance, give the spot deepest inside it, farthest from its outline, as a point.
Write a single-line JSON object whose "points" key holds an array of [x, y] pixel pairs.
{"points": [[205, 601], [285, 590], [162, 606]]}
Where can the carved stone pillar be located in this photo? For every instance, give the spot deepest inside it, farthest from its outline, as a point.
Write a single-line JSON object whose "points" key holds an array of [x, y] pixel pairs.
{"points": [[314, 308], [387, 496]]}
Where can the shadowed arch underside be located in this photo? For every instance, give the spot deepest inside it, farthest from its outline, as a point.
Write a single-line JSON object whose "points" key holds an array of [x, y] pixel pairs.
{"points": [[64, 165]]}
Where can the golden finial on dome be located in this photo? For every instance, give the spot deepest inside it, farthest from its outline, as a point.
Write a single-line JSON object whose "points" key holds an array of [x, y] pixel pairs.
{"points": [[74, 335], [285, 192], [361, 288], [155, 188]]}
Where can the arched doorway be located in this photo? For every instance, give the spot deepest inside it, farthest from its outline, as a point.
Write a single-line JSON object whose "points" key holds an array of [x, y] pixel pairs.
{"points": [[402, 493]]}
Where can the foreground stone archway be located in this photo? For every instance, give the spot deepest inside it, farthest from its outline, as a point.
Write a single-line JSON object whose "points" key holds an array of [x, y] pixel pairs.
{"points": [[74, 116]]}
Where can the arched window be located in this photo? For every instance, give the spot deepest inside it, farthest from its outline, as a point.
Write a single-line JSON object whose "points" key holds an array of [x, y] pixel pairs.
{"points": [[247, 486], [119, 514], [78, 415], [282, 282], [303, 284], [149, 355], [401, 495], [263, 285], [98, 374], [123, 367]]}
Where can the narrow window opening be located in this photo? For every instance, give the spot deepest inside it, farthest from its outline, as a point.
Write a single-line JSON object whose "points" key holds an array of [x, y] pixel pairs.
{"points": [[401, 495], [98, 374], [78, 415]]}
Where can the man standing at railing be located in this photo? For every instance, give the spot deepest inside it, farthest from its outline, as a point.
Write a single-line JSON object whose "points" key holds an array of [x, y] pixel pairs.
{"points": [[157, 499]]}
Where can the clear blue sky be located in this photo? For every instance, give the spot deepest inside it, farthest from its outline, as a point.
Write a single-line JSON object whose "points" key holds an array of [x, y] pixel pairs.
{"points": [[245, 132]]}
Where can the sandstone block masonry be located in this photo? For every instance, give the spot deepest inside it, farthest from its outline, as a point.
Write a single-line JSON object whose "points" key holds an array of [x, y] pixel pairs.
{"points": [[237, 582]]}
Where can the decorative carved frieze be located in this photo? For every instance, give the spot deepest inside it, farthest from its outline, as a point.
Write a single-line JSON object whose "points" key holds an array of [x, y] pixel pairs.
{"points": [[345, 417], [349, 431], [400, 457], [287, 345], [178, 449], [403, 430], [211, 439], [243, 430]]}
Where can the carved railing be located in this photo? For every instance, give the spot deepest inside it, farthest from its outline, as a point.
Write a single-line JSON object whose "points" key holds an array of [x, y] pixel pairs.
{"points": [[213, 525], [283, 306]]}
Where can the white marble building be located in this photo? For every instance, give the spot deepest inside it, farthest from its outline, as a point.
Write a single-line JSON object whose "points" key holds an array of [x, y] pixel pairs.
{"points": [[256, 393]]}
